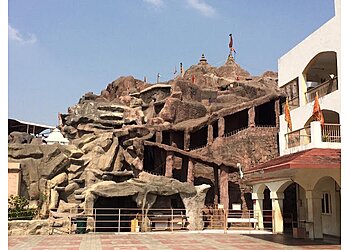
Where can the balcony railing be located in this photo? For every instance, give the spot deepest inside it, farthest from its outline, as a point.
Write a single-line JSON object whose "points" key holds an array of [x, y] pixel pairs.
{"points": [[314, 135], [322, 89], [331, 133], [298, 137]]}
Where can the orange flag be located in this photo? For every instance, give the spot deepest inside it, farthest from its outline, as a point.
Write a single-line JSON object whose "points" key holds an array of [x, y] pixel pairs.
{"points": [[317, 113], [287, 117]]}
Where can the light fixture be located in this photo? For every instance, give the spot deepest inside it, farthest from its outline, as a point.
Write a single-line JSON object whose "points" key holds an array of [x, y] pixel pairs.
{"points": [[331, 76]]}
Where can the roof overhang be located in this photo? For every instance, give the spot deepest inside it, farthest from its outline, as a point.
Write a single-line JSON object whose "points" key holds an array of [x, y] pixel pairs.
{"points": [[27, 127]]}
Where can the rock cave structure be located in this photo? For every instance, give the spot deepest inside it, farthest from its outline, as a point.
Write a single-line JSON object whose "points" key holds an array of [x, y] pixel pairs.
{"points": [[178, 140]]}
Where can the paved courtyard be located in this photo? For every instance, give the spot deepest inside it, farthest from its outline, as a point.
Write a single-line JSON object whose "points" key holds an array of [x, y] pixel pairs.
{"points": [[165, 241]]}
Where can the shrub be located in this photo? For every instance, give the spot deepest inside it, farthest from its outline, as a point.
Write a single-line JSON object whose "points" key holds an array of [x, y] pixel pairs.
{"points": [[18, 209]]}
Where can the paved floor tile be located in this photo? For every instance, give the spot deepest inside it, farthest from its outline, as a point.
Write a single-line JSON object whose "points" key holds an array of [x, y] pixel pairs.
{"points": [[164, 241]]}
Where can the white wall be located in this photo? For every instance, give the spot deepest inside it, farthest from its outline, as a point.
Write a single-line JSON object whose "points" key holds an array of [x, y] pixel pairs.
{"points": [[293, 63], [301, 115]]}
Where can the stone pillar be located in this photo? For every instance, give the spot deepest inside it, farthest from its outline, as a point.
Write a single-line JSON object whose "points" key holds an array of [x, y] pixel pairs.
{"points": [[277, 112], [314, 219], [277, 211], [251, 117], [221, 127], [14, 178], [169, 164], [216, 185], [258, 200], [210, 134], [194, 205], [190, 171], [224, 197], [159, 136], [187, 138]]}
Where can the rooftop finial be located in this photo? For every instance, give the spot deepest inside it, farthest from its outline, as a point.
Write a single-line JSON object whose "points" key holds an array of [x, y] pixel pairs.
{"points": [[203, 60]]}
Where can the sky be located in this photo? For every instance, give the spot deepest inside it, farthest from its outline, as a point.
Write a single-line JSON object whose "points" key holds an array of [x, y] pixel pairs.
{"points": [[60, 50]]}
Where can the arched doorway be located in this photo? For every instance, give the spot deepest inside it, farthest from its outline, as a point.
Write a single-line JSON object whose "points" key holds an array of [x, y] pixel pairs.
{"points": [[290, 215], [107, 215], [321, 75], [330, 213], [267, 210], [331, 129]]}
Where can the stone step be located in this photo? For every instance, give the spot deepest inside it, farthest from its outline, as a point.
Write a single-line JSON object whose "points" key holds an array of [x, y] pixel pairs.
{"points": [[79, 197], [78, 191]]}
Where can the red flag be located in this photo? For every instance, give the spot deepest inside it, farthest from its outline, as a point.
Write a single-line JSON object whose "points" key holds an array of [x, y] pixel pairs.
{"points": [[287, 116], [230, 45], [317, 113]]}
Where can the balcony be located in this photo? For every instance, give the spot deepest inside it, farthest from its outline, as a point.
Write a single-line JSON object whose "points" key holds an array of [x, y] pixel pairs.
{"points": [[313, 136], [322, 89]]}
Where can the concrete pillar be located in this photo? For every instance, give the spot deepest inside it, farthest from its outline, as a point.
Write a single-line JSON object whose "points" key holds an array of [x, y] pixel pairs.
{"points": [[169, 164], [159, 136], [277, 211], [277, 112], [14, 178], [221, 127], [224, 197], [251, 117], [216, 185], [210, 134], [258, 201], [187, 138], [316, 133], [190, 171], [314, 219]]}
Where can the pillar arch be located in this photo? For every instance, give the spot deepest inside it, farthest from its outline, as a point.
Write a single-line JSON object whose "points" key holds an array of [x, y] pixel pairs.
{"points": [[325, 207]]}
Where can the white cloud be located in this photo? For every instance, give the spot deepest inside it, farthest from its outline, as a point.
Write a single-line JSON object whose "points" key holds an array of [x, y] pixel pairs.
{"points": [[202, 7], [15, 35], [155, 3]]}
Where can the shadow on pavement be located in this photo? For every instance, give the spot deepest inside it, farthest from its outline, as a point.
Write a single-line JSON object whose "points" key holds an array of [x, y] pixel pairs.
{"points": [[286, 239]]}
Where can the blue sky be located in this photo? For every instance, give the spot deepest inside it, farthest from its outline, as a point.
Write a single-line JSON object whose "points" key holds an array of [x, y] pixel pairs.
{"points": [[59, 50]]}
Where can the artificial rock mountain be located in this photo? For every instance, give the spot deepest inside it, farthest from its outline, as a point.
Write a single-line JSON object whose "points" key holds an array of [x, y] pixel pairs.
{"points": [[184, 136]]}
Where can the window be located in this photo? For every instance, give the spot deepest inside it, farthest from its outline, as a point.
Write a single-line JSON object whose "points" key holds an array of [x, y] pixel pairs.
{"points": [[326, 203], [292, 91]]}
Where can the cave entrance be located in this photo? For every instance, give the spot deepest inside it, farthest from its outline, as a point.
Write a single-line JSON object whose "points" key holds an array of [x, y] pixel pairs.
{"points": [[199, 138], [215, 129], [178, 139], [154, 160], [107, 215], [236, 121], [265, 114]]}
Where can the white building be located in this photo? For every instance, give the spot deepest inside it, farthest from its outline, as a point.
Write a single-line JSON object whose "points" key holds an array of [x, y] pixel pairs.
{"points": [[305, 180], [56, 137]]}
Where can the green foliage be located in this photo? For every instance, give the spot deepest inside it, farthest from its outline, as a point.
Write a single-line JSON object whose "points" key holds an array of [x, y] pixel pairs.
{"points": [[18, 209]]}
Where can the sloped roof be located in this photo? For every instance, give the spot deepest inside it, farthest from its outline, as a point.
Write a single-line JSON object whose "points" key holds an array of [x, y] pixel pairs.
{"points": [[311, 158], [22, 126]]}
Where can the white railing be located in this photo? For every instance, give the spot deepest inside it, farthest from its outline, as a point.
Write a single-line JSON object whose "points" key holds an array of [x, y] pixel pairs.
{"points": [[80, 221], [298, 137], [331, 133]]}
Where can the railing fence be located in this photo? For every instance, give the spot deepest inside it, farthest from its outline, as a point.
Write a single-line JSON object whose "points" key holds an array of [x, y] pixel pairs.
{"points": [[117, 220]]}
